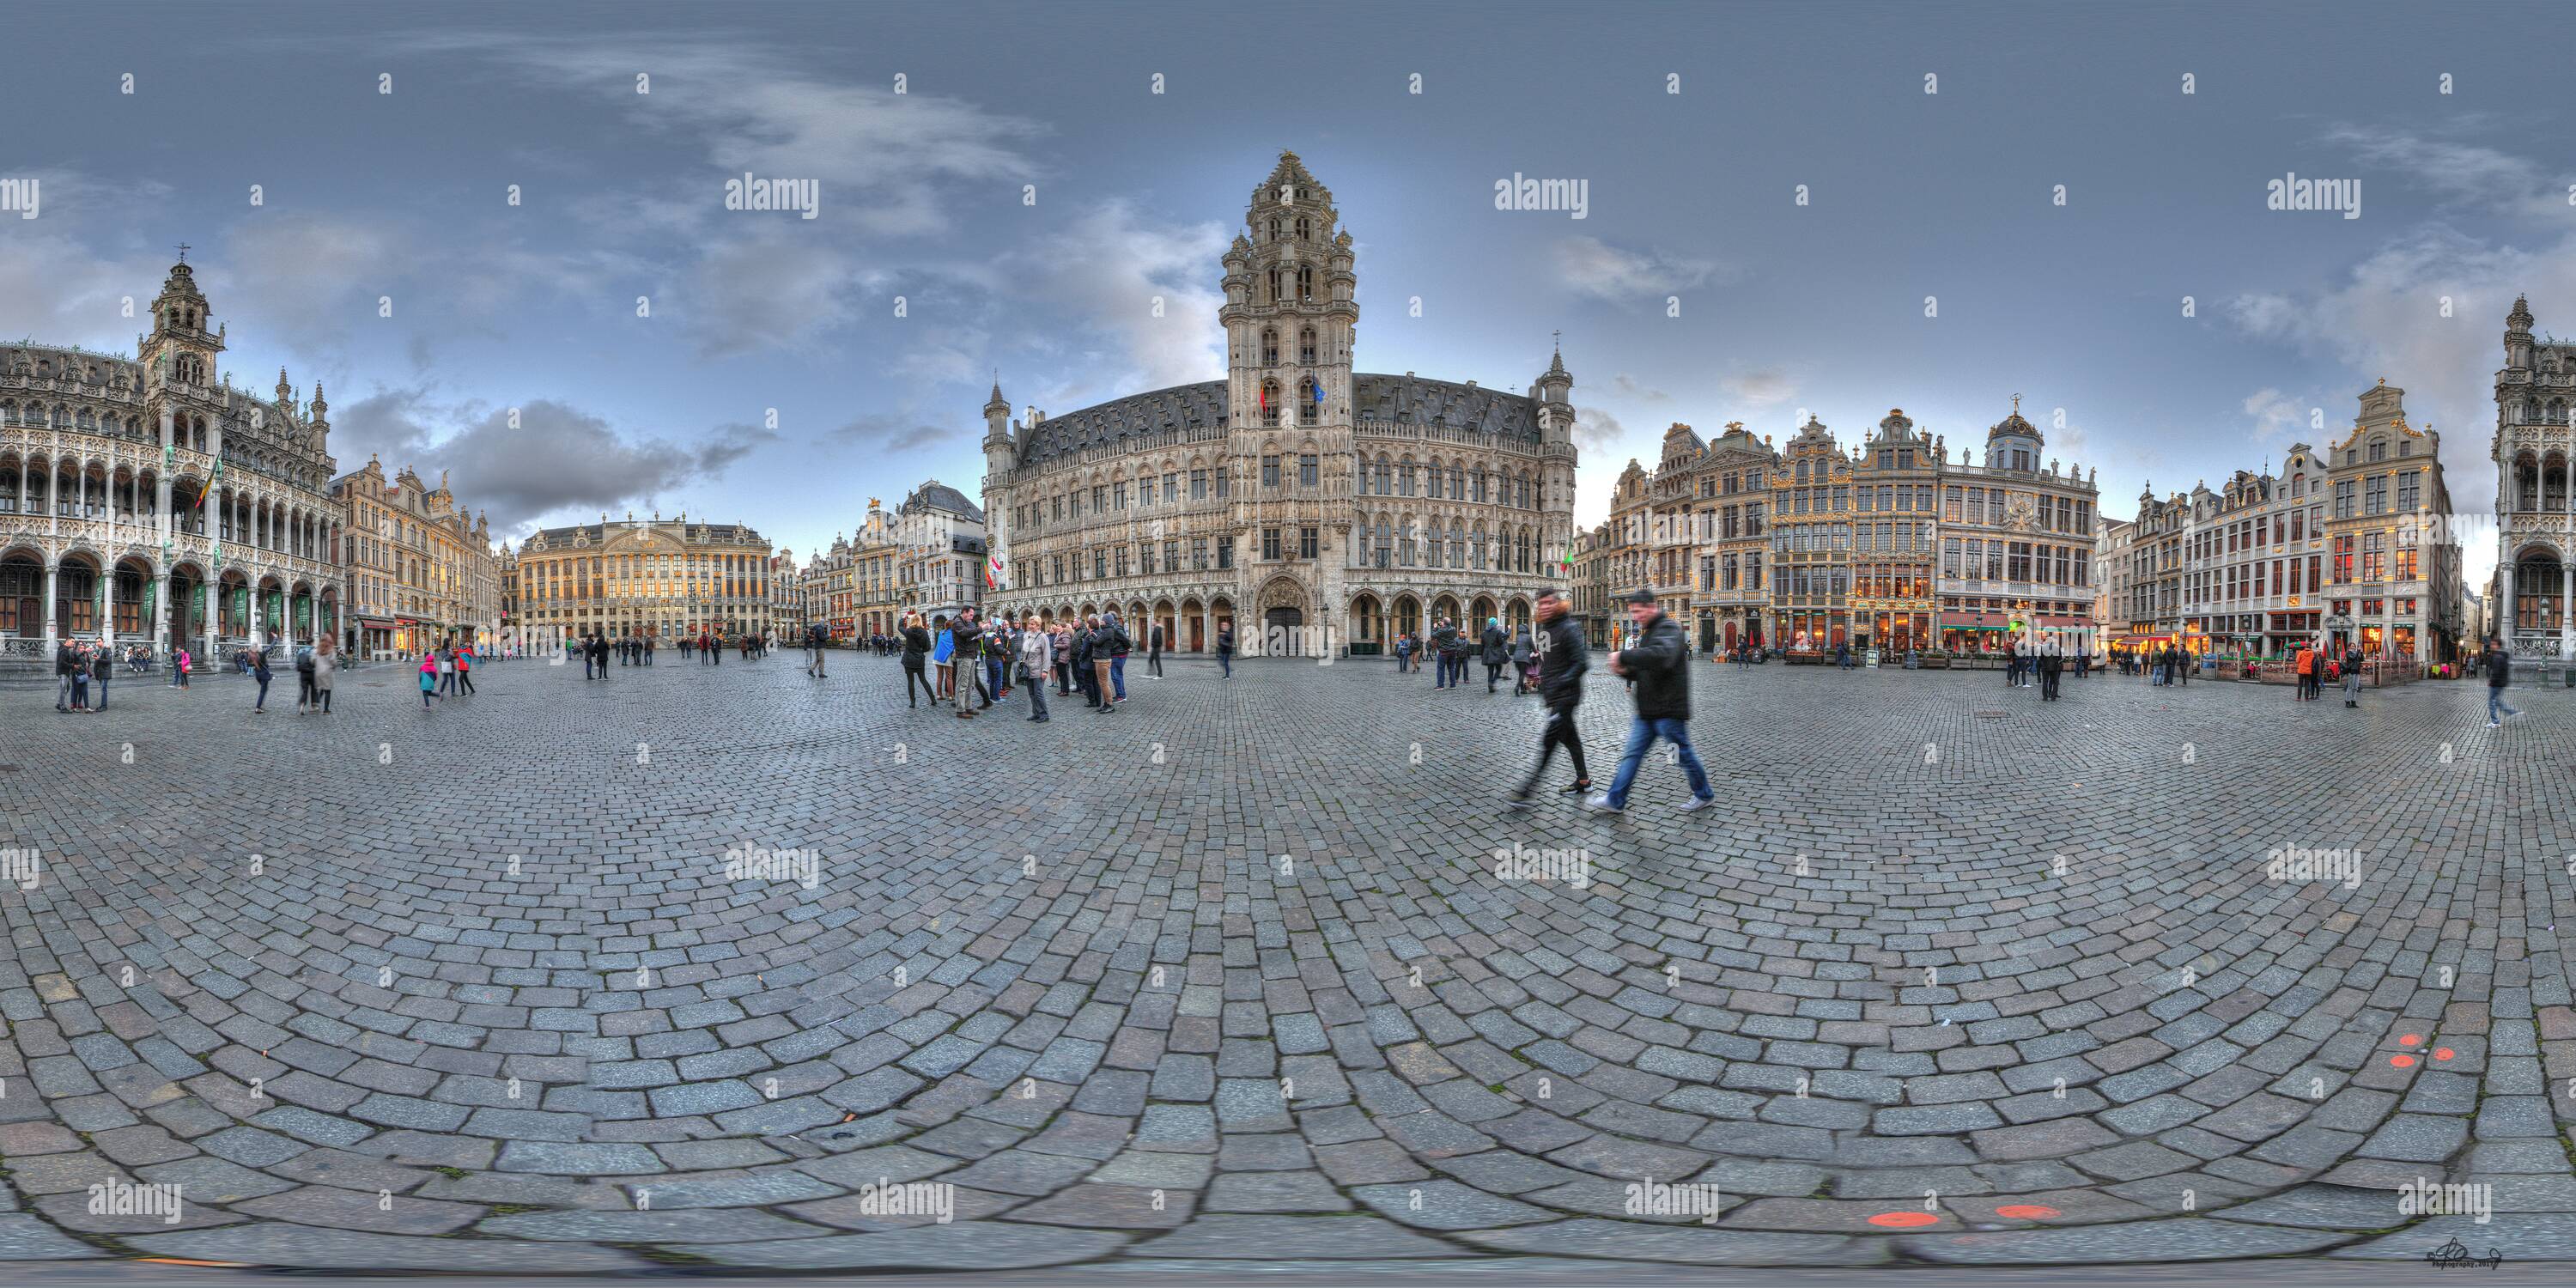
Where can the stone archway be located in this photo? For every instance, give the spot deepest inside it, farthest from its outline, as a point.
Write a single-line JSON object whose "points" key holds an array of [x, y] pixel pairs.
{"points": [[1283, 611]]}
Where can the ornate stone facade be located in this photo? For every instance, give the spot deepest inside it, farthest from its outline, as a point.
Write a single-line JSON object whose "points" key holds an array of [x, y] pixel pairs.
{"points": [[1329, 509], [130, 486], [2535, 506], [644, 577], [421, 572]]}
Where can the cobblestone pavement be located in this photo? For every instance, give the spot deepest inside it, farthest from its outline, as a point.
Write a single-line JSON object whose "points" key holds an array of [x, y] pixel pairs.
{"points": [[1950, 975]]}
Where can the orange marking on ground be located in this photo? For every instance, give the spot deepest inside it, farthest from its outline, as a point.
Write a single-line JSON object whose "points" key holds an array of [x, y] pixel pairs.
{"points": [[183, 1261], [2026, 1211], [2443, 1053], [2410, 1040], [2402, 1061], [1902, 1220]]}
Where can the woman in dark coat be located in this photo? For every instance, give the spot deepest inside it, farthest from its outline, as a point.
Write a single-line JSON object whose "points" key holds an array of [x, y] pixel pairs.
{"points": [[1497, 651]]}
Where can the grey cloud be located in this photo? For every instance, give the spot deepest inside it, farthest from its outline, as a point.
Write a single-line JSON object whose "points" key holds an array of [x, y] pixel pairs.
{"points": [[559, 458]]}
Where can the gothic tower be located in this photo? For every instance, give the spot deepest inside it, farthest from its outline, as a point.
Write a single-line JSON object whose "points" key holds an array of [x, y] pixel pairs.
{"points": [[1290, 322], [180, 396]]}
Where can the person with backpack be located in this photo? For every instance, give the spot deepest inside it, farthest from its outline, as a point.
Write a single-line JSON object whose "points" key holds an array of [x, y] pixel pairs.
{"points": [[465, 668], [303, 681], [428, 676]]}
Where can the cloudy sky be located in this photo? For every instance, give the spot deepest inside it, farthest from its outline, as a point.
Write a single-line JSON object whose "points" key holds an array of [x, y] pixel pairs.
{"points": [[1008, 174]]}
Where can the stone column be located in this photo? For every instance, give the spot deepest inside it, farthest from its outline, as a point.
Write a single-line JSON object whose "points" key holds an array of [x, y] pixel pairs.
{"points": [[160, 609], [51, 573], [2566, 601], [2503, 616]]}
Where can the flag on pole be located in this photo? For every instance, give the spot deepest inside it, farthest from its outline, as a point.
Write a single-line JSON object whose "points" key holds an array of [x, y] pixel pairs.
{"points": [[993, 572]]}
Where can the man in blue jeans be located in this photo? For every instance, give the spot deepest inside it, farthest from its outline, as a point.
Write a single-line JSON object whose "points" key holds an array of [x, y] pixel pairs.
{"points": [[2499, 668], [1659, 665]]}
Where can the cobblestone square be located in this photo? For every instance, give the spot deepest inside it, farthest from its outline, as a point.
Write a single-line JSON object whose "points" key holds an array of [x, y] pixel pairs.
{"points": [[1949, 975]]}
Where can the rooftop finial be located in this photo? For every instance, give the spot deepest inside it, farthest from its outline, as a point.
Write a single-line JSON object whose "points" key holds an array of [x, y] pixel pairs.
{"points": [[183, 252], [2016, 404]]}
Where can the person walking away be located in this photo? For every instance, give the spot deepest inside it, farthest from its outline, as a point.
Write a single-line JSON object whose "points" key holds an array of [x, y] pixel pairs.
{"points": [[1120, 642], [1662, 673], [2056, 668], [428, 677], [185, 664], [2498, 665], [1035, 648], [2352, 677], [1154, 650], [2305, 668], [465, 668], [1225, 648], [2182, 664], [1403, 652], [585, 658], [102, 667], [1496, 651], [446, 669], [1562, 660], [1060, 652], [303, 681], [326, 663], [1524, 653]]}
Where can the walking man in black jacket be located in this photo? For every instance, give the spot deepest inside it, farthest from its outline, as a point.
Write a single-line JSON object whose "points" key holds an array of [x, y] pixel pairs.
{"points": [[1563, 657], [1661, 670]]}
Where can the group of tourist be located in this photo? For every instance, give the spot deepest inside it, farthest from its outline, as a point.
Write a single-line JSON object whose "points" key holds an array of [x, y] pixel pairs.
{"points": [[953, 660], [2041, 666], [76, 666], [447, 670], [1450, 648], [2314, 666]]}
